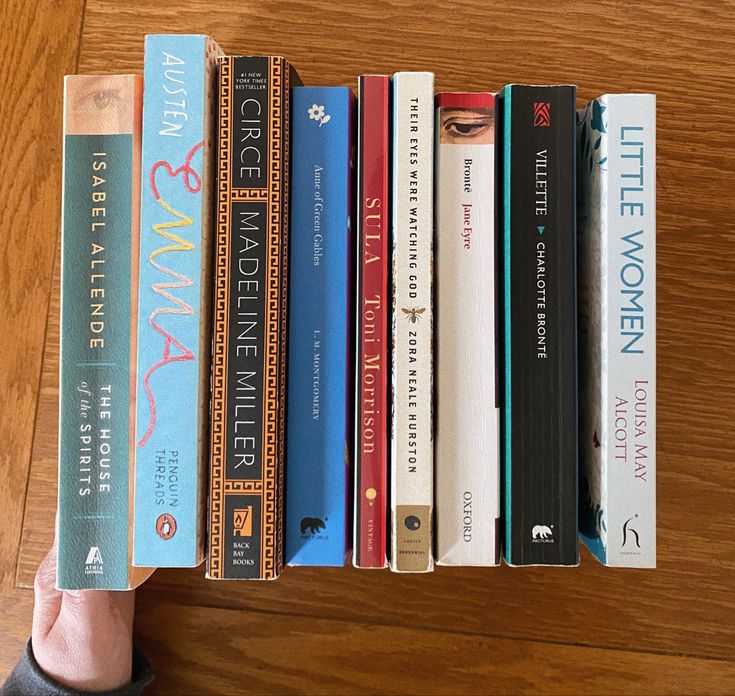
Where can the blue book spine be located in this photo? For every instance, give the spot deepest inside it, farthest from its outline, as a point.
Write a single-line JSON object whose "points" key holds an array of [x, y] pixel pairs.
{"points": [[174, 311], [320, 351]]}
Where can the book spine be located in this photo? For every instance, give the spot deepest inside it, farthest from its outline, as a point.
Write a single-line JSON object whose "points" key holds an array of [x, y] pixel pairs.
{"points": [[540, 325], [249, 338], [101, 178], [320, 307], [174, 305], [373, 338], [467, 447], [617, 168], [412, 446]]}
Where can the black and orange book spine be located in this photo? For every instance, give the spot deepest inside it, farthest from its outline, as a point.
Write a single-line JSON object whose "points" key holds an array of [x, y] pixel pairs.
{"points": [[250, 319]]}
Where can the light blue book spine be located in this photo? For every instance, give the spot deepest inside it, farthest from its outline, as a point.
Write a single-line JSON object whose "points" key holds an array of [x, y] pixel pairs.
{"points": [[320, 359], [174, 300]]}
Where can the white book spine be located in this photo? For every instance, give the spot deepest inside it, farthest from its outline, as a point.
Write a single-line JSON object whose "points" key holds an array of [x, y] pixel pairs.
{"points": [[412, 447], [617, 159], [467, 453]]}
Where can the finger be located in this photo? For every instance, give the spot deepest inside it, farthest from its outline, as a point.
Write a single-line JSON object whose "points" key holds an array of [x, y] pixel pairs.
{"points": [[47, 603]]}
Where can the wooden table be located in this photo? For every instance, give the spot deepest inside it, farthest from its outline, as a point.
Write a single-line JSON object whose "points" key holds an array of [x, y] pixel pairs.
{"points": [[461, 631]]}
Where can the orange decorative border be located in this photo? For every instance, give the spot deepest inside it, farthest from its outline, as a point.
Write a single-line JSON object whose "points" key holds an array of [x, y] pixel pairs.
{"points": [[272, 492], [219, 346]]}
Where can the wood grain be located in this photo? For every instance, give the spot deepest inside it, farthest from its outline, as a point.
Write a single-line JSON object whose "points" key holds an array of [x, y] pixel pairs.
{"points": [[34, 62], [588, 629], [288, 654], [40, 512], [16, 610]]}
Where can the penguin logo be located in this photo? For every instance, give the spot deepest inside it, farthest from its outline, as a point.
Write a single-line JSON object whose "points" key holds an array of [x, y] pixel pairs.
{"points": [[166, 526], [412, 522]]}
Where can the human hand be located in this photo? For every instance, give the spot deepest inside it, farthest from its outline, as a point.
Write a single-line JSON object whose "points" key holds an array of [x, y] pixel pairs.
{"points": [[83, 639]]}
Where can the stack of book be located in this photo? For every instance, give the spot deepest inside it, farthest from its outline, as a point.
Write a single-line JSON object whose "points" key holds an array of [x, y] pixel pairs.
{"points": [[299, 324]]}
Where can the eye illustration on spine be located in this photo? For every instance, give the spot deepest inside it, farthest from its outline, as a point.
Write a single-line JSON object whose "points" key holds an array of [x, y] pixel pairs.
{"points": [[467, 126]]}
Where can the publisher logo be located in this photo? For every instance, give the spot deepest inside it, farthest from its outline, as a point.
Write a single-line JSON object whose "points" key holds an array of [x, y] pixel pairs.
{"points": [[541, 534], [412, 522], [93, 563], [94, 557], [316, 113], [242, 521], [313, 528], [312, 525], [467, 516], [166, 526], [631, 539], [541, 114]]}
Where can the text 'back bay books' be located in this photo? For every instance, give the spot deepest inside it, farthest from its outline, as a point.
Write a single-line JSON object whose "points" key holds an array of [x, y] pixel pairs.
{"points": [[174, 310], [617, 313], [99, 269], [539, 257], [321, 339], [250, 319], [467, 396]]}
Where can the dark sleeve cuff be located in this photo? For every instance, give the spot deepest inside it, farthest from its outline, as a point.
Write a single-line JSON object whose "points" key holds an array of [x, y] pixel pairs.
{"points": [[28, 679]]}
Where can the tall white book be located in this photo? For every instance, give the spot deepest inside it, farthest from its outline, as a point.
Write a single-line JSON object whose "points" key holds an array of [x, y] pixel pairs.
{"points": [[467, 451], [412, 446], [617, 327]]}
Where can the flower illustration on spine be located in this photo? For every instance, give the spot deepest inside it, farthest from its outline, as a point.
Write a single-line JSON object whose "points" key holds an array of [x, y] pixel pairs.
{"points": [[316, 113]]}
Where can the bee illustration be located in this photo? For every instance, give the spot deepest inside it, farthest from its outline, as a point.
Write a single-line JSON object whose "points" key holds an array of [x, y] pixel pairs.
{"points": [[413, 313]]}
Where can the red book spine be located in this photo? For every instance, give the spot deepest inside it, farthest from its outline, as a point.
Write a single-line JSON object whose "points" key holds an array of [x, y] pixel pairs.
{"points": [[373, 337]]}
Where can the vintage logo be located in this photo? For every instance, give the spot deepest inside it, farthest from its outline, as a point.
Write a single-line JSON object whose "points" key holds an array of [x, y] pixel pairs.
{"points": [[541, 534], [242, 520], [165, 526], [541, 114]]}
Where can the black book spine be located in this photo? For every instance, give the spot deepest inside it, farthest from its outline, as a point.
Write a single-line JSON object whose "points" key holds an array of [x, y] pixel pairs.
{"points": [[540, 332], [249, 342]]}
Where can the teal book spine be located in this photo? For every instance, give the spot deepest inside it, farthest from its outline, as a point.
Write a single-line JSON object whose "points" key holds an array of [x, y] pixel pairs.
{"points": [[97, 350], [174, 302]]}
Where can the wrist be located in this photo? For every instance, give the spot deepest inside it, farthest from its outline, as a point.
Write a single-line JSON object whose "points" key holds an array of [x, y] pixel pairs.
{"points": [[80, 665]]}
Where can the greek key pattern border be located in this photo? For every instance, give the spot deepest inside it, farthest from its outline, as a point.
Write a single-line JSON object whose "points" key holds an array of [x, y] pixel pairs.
{"points": [[219, 347]]}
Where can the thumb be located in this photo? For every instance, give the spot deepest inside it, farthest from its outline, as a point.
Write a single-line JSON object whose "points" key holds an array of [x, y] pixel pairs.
{"points": [[47, 603]]}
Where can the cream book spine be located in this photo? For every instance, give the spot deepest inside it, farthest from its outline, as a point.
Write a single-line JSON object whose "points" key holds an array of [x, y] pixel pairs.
{"points": [[467, 499], [412, 450]]}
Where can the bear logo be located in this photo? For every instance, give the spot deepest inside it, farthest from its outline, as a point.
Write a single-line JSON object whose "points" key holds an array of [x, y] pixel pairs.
{"points": [[313, 524], [412, 522], [541, 532]]}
